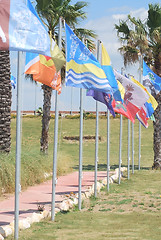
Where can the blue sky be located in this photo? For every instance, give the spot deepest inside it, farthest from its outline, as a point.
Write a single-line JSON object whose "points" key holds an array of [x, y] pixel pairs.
{"points": [[101, 17]]}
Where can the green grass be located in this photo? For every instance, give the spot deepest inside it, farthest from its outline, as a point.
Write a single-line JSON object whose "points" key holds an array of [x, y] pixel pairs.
{"points": [[34, 164], [106, 220]]}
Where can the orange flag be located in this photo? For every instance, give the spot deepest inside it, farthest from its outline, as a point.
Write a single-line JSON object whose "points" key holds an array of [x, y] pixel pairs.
{"points": [[44, 71]]}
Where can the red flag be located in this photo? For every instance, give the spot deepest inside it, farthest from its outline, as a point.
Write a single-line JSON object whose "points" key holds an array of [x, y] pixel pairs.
{"points": [[128, 110], [141, 116]]}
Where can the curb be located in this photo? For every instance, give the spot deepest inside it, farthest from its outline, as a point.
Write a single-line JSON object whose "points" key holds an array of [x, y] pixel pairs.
{"points": [[68, 203]]}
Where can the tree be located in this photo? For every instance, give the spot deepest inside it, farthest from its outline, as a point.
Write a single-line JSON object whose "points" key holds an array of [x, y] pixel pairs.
{"points": [[144, 38], [5, 102], [50, 11]]}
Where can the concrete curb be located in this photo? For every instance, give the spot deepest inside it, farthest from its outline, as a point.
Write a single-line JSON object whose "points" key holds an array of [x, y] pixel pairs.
{"points": [[68, 203]]}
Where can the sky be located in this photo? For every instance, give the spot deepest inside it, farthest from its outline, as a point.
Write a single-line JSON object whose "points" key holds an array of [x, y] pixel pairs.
{"points": [[102, 15]]}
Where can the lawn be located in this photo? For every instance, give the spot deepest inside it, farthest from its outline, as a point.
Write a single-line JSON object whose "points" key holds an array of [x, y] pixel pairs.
{"points": [[34, 164], [131, 210]]}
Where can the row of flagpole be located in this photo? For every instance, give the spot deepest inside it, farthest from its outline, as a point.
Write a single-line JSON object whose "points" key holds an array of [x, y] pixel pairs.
{"points": [[54, 178]]}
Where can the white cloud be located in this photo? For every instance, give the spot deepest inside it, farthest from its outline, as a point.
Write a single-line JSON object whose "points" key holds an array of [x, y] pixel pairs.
{"points": [[120, 9], [104, 27]]}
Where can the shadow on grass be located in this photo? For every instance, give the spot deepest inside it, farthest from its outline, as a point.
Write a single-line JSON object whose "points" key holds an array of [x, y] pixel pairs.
{"points": [[103, 167]]}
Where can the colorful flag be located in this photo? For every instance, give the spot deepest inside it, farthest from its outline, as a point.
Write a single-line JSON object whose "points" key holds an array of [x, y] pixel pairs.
{"points": [[151, 103], [82, 68], [151, 80], [32, 63], [133, 93], [13, 81], [44, 71], [142, 117], [22, 30], [103, 98], [106, 66], [126, 109]]}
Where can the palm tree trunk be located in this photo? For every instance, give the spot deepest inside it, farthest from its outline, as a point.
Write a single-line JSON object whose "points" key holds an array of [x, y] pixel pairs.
{"points": [[157, 134], [45, 118], [157, 115], [5, 102]]}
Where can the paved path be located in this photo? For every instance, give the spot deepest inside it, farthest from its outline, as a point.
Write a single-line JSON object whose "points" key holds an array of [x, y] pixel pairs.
{"points": [[41, 194]]}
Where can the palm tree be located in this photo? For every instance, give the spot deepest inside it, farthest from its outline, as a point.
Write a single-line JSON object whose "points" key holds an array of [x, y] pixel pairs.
{"points": [[144, 38], [50, 11], [5, 102]]}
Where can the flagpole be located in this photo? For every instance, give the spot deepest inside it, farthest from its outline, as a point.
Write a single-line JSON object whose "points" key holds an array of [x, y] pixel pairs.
{"points": [[35, 98], [108, 148], [128, 151], [120, 144], [71, 101], [97, 130], [54, 178], [140, 80], [80, 148], [18, 146], [120, 149], [132, 148]]}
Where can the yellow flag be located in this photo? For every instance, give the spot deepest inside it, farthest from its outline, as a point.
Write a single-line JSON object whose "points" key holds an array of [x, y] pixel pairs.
{"points": [[151, 98], [121, 89], [57, 55], [105, 57]]}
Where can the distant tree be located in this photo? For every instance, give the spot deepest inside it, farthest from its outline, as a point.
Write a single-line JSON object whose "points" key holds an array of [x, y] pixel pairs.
{"points": [[144, 37]]}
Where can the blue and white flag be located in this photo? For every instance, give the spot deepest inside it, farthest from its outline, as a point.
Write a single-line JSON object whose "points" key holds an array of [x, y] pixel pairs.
{"points": [[22, 30], [13, 81], [151, 80], [82, 68]]}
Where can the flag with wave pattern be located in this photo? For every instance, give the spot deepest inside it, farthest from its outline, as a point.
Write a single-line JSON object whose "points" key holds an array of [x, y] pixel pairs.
{"points": [[82, 68]]}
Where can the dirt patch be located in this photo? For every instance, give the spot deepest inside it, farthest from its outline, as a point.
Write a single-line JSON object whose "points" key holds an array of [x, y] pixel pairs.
{"points": [[123, 203], [76, 138]]}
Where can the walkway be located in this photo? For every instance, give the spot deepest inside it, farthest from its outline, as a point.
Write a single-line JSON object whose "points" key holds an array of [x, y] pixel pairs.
{"points": [[41, 195]]}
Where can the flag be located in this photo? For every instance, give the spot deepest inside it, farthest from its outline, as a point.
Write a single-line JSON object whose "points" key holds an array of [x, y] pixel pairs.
{"points": [[133, 93], [150, 109], [22, 30], [151, 80], [126, 109], [142, 117], [32, 63], [13, 81], [44, 71], [151, 103], [106, 66], [82, 68], [103, 98]]}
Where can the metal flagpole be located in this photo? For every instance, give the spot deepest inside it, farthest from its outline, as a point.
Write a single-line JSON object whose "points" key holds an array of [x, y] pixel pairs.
{"points": [[80, 148], [108, 148], [54, 179], [18, 146], [128, 151], [120, 149], [132, 148], [139, 157], [140, 80], [120, 144], [96, 136], [35, 98], [71, 101]]}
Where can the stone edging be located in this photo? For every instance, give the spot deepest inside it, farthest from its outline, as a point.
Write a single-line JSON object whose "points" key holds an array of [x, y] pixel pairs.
{"points": [[68, 203]]}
